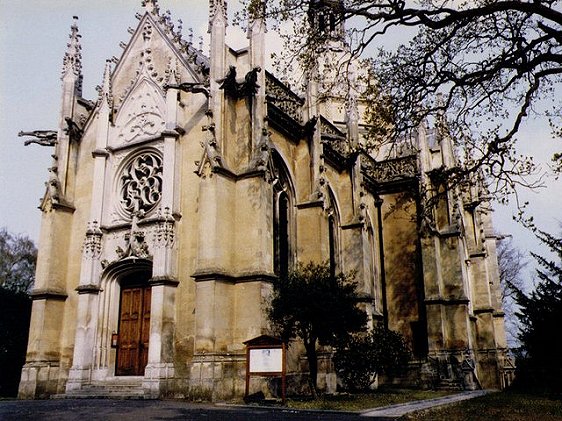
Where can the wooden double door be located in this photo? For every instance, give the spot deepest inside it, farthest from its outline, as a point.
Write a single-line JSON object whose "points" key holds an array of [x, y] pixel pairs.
{"points": [[134, 330]]}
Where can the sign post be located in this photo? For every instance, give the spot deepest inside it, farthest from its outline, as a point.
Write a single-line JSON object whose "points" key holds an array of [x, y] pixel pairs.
{"points": [[265, 356]]}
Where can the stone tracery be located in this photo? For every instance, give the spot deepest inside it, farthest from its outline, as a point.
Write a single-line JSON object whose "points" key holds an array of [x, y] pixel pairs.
{"points": [[140, 187]]}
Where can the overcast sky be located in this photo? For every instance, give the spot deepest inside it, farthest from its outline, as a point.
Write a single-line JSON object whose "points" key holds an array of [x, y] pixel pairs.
{"points": [[33, 37]]}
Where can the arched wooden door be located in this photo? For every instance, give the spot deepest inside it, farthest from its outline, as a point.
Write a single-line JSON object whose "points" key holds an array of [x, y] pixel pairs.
{"points": [[134, 327]]}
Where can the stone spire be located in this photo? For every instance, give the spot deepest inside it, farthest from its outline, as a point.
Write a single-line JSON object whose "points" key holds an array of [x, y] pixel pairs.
{"points": [[445, 141], [105, 90], [151, 6], [218, 22], [72, 62], [256, 35], [217, 11], [352, 107]]}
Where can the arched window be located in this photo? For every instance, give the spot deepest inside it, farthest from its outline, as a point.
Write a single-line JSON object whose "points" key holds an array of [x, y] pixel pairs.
{"points": [[281, 234], [333, 234], [333, 247], [282, 205]]}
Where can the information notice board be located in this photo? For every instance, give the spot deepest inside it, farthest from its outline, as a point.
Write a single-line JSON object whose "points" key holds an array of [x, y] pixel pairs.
{"points": [[266, 360], [265, 356]]}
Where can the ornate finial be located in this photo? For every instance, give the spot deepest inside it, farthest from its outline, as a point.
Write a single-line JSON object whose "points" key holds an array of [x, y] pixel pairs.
{"points": [[168, 17], [151, 6], [256, 10], [72, 61], [177, 34], [190, 36], [217, 10], [173, 72]]}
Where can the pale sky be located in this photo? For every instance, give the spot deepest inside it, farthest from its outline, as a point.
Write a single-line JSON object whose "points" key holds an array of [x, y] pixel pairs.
{"points": [[33, 37]]}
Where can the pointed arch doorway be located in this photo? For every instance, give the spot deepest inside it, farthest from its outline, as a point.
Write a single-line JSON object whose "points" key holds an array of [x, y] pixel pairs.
{"points": [[134, 324]]}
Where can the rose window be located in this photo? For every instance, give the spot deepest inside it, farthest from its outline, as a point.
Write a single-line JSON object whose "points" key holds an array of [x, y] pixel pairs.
{"points": [[141, 183]]}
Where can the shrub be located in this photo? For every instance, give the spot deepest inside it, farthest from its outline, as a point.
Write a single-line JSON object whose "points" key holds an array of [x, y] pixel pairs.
{"points": [[362, 357]]}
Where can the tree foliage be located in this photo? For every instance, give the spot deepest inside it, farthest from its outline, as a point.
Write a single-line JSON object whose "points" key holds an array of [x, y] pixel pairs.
{"points": [[17, 271], [363, 357], [540, 316], [483, 65], [18, 255], [316, 307]]}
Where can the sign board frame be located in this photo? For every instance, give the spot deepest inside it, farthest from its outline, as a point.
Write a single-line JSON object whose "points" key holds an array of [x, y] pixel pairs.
{"points": [[262, 360]]}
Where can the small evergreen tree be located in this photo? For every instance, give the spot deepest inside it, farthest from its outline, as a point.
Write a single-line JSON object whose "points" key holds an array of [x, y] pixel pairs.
{"points": [[540, 315], [363, 357], [317, 307]]}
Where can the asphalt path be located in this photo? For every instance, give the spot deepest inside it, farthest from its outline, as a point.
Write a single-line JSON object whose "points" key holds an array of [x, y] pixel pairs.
{"points": [[143, 410]]}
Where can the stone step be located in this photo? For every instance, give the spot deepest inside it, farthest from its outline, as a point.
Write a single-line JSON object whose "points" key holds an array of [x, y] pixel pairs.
{"points": [[117, 388], [85, 393], [449, 384], [113, 386]]}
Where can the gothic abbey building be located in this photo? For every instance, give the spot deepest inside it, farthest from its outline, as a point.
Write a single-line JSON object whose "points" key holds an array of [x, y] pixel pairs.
{"points": [[177, 199]]}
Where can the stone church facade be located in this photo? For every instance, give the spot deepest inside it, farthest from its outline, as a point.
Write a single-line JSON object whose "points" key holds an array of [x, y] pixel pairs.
{"points": [[177, 199]]}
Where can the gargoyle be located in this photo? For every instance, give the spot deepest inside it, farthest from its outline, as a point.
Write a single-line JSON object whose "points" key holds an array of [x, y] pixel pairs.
{"points": [[192, 87], [229, 84], [239, 90], [73, 131], [250, 85], [42, 137], [310, 126]]}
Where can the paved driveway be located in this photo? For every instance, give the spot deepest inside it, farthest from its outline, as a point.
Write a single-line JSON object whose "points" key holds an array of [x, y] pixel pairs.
{"points": [[121, 410]]}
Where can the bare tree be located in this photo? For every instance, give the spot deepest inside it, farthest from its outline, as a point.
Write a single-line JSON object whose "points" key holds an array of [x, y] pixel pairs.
{"points": [[18, 255], [493, 63], [512, 263]]}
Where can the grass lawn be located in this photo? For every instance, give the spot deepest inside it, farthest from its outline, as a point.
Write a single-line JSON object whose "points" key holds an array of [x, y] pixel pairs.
{"points": [[504, 406], [362, 401]]}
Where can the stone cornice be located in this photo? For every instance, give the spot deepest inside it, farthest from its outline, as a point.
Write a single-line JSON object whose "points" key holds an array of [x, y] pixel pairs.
{"points": [[253, 173], [48, 294], [152, 219], [175, 132], [353, 225], [449, 232], [63, 207], [223, 276], [310, 204], [447, 301], [103, 153], [136, 144], [483, 310], [478, 254], [163, 280], [88, 289]]}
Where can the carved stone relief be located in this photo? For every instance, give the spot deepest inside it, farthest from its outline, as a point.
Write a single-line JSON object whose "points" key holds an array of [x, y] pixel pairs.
{"points": [[144, 116], [165, 230], [93, 241]]}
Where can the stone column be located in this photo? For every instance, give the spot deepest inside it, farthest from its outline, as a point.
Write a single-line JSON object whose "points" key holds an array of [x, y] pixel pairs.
{"points": [[90, 269], [160, 368], [42, 371]]}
